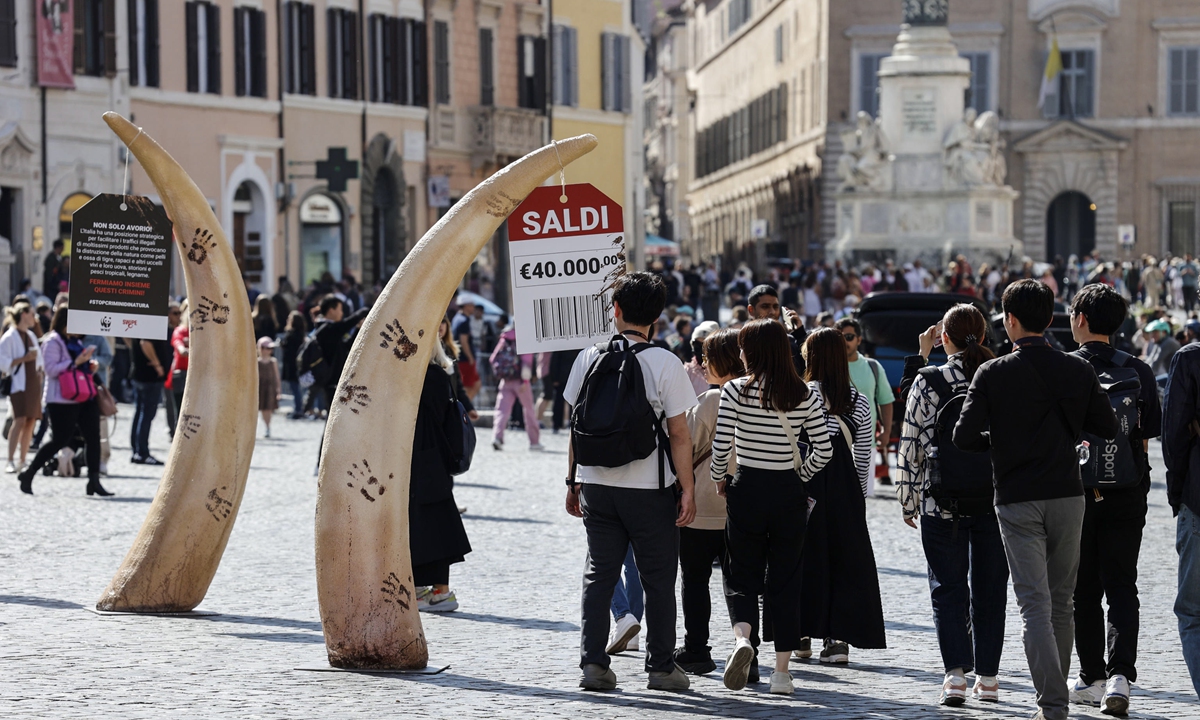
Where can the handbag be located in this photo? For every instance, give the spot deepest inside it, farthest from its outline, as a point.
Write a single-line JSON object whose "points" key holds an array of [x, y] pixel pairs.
{"points": [[104, 398], [77, 385]]}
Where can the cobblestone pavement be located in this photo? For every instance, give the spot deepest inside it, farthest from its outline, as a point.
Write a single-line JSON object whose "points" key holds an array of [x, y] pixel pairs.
{"points": [[512, 649]]}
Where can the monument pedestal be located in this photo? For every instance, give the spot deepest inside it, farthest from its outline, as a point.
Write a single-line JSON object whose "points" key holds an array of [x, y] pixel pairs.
{"points": [[926, 179]]}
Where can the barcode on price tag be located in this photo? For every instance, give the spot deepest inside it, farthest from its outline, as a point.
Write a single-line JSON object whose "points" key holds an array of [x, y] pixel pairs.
{"points": [[577, 316], [564, 258]]}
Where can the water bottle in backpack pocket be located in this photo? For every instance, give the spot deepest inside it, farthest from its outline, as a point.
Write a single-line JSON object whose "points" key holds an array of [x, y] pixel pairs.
{"points": [[1116, 462], [962, 484]]}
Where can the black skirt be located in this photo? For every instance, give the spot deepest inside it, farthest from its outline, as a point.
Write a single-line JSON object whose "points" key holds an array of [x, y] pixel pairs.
{"points": [[840, 597]]}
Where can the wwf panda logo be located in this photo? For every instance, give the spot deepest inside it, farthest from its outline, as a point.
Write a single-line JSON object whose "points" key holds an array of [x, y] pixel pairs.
{"points": [[105, 323]]}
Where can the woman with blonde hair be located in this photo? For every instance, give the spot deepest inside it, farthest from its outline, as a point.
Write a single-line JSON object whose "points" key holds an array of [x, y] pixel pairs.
{"points": [[21, 362]]}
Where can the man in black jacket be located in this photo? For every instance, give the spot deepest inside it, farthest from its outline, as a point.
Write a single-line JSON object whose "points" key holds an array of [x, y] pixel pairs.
{"points": [[1181, 452], [333, 335], [1029, 408], [1113, 520]]}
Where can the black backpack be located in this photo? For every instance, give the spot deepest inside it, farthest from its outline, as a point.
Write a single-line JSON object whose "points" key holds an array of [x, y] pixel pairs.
{"points": [[311, 366], [612, 422], [964, 483], [1116, 462]]}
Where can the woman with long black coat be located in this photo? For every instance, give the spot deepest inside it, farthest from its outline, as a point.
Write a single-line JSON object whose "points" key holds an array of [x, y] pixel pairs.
{"points": [[437, 538], [841, 604]]}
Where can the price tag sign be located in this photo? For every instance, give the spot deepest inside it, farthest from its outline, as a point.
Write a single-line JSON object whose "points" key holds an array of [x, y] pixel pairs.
{"points": [[120, 268], [564, 257]]}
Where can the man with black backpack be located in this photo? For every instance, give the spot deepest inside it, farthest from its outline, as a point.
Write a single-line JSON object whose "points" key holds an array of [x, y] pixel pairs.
{"points": [[1028, 408], [1116, 480], [630, 477]]}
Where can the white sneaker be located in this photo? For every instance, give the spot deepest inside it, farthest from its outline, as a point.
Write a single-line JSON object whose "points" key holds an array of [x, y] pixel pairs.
{"points": [[536, 447], [423, 595], [1116, 696], [737, 666], [627, 628], [10, 468], [633, 645], [987, 689], [954, 690], [441, 602], [1083, 694], [781, 683]]}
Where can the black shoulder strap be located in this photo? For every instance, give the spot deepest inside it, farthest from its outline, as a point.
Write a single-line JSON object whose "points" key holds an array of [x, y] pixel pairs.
{"points": [[1121, 358], [934, 376]]}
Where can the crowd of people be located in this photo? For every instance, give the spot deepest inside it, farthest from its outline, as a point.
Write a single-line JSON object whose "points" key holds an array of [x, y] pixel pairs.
{"points": [[752, 447], [764, 468]]}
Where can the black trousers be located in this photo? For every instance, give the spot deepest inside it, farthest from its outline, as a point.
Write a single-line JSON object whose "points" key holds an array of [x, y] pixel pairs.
{"points": [[764, 536], [64, 419], [1108, 558], [432, 573], [697, 551], [614, 519]]}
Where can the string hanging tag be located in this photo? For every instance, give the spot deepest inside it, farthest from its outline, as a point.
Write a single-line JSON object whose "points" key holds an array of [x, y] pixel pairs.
{"points": [[125, 181], [562, 174]]}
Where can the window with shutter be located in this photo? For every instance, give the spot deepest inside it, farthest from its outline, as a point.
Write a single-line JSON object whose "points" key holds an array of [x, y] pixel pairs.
{"points": [[420, 65], [350, 56], [403, 71], [80, 44], [374, 50], [538, 100], [212, 50], [868, 79], [258, 53], [308, 49], [1076, 84], [191, 17], [487, 90], [566, 81], [8, 33], [441, 61], [241, 43], [333, 52], [978, 93], [606, 73], [1183, 81], [137, 70], [150, 48], [108, 35]]}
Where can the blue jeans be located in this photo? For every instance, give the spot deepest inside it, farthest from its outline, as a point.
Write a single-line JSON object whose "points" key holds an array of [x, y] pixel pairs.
{"points": [[148, 396], [1187, 602], [969, 617], [628, 596]]}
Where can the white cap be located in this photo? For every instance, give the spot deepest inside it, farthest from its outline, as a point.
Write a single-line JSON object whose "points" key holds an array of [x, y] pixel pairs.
{"points": [[704, 329]]}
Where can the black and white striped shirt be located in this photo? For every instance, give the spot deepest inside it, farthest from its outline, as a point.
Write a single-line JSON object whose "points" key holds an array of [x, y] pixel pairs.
{"points": [[760, 439]]}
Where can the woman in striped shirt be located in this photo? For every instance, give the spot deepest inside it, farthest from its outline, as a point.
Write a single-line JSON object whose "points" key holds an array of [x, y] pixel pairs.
{"points": [[841, 587], [761, 415]]}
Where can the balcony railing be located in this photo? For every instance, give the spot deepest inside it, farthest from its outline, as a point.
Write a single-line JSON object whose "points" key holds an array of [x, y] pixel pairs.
{"points": [[500, 132]]}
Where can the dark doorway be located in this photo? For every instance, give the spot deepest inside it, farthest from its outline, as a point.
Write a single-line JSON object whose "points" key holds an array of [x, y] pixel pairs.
{"points": [[383, 224], [1070, 226]]}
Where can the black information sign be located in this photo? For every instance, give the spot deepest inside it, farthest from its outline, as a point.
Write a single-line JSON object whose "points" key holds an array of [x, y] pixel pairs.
{"points": [[120, 268]]}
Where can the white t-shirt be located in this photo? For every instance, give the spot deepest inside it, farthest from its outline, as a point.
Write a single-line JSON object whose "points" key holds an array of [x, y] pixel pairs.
{"points": [[669, 392]]}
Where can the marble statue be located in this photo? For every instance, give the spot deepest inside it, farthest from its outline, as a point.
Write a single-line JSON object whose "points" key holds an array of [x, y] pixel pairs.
{"points": [[865, 158], [974, 150]]}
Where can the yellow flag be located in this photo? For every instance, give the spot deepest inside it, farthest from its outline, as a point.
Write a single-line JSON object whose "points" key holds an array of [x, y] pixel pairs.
{"points": [[1054, 66]]}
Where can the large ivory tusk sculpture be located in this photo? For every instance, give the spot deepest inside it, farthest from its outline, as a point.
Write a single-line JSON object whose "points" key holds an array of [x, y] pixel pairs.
{"points": [[177, 552], [364, 570]]}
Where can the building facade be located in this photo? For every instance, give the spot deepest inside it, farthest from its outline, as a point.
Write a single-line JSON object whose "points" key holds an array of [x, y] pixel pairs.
{"points": [[597, 51], [1112, 149]]}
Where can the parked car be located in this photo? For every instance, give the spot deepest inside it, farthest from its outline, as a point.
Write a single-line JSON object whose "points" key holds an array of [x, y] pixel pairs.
{"points": [[892, 322]]}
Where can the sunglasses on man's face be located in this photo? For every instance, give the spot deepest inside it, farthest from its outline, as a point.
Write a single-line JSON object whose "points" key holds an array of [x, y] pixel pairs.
{"points": [[850, 337]]}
